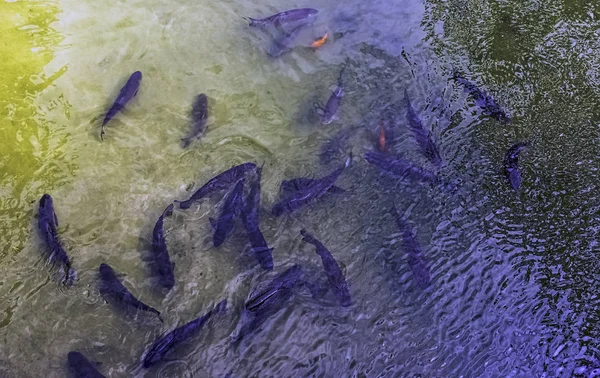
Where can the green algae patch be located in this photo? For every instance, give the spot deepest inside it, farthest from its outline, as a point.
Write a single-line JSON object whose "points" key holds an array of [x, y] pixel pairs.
{"points": [[27, 45]]}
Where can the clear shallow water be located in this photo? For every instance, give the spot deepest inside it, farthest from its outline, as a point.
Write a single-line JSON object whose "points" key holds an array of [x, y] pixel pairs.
{"points": [[514, 274]]}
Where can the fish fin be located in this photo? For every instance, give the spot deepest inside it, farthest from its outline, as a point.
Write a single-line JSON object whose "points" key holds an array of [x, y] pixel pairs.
{"points": [[160, 317], [102, 133], [221, 306], [55, 220], [349, 159], [319, 109]]}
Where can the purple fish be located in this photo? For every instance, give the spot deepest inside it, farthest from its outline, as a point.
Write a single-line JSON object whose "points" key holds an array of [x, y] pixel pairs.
{"points": [[332, 269], [251, 219], [511, 164], [47, 224], [81, 367], [328, 113], [308, 194], [232, 205], [125, 95], [483, 100], [220, 182], [266, 300], [414, 252], [293, 185], [112, 289], [287, 20], [399, 168], [424, 139], [161, 262], [164, 344]]}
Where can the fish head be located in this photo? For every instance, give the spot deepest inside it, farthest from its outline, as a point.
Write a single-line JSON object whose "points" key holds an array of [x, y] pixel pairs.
{"points": [[46, 203], [76, 359], [106, 272]]}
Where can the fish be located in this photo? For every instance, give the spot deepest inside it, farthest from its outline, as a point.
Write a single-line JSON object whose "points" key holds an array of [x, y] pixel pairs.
{"points": [[48, 224], [199, 116], [296, 184], [220, 182], [283, 43], [399, 168], [381, 145], [112, 289], [511, 164], [251, 220], [81, 367], [289, 19], [332, 269], [423, 138], [336, 145], [231, 208], [308, 194], [414, 252], [483, 100], [319, 42], [128, 92], [328, 113], [161, 347], [267, 299], [161, 262]]}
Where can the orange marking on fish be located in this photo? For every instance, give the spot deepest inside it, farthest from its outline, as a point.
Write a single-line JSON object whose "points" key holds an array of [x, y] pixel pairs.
{"points": [[319, 42], [381, 141]]}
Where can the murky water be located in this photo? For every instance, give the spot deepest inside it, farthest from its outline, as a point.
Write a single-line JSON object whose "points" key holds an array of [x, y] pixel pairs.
{"points": [[514, 274]]}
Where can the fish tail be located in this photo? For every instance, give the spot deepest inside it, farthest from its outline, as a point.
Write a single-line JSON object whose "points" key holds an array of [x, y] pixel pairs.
{"points": [[253, 22], [70, 275], [102, 133]]}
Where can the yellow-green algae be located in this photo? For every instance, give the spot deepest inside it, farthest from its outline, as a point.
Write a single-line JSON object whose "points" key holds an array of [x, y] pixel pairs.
{"points": [[27, 45]]}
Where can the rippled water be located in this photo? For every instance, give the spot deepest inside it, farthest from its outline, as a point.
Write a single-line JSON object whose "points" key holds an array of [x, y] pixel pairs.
{"points": [[514, 274]]}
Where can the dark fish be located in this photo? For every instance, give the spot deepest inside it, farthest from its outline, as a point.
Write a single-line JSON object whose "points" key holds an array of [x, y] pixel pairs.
{"points": [[332, 269], [283, 43], [424, 139], [161, 262], [511, 164], [483, 100], [290, 19], [251, 220], [127, 93], [81, 367], [399, 168], [267, 300], [221, 181], [164, 344], [111, 288], [293, 185], [199, 116], [414, 252], [232, 206], [328, 113], [308, 194], [47, 224], [335, 146]]}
